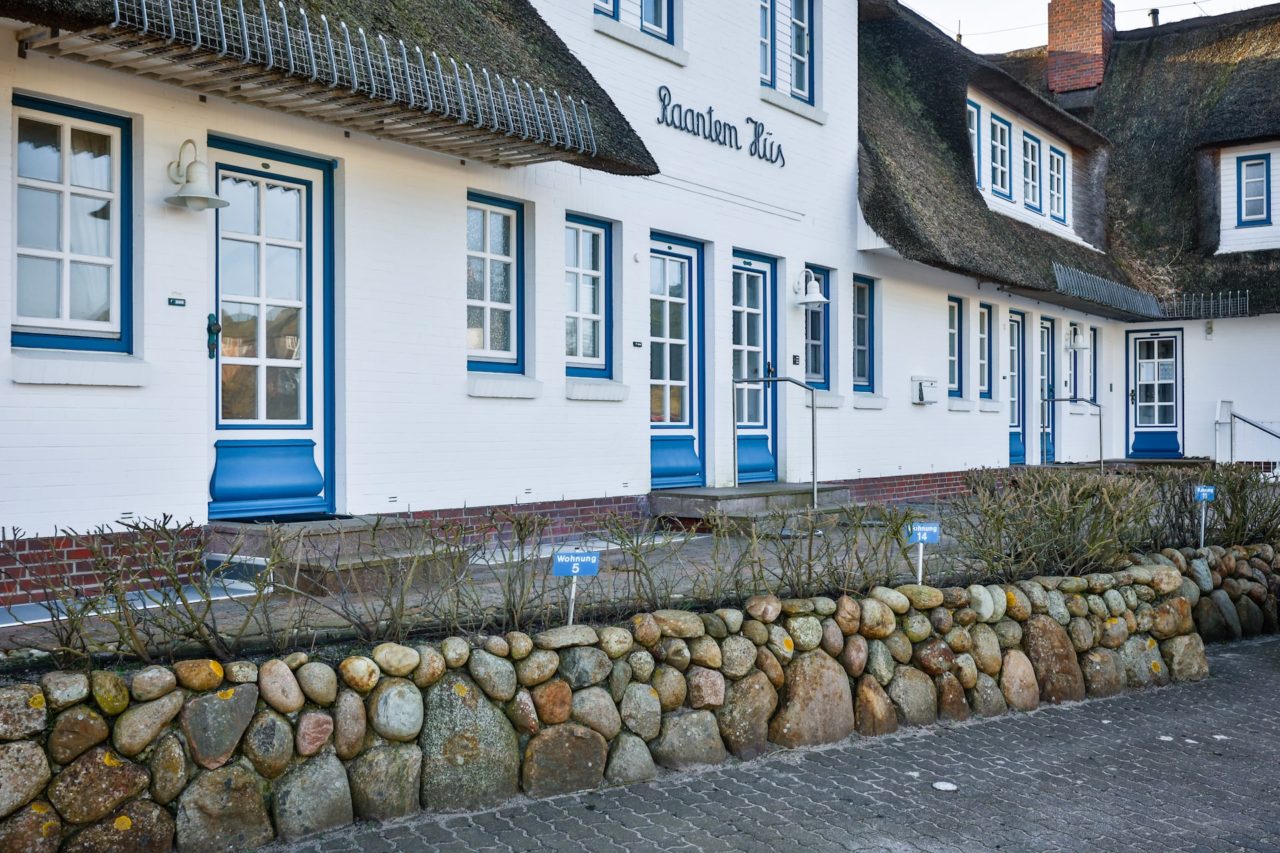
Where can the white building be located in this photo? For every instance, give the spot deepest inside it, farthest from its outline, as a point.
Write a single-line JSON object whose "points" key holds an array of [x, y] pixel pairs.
{"points": [[520, 259]]}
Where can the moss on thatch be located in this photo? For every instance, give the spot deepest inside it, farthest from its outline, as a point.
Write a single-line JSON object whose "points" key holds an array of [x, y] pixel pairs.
{"points": [[508, 37]]}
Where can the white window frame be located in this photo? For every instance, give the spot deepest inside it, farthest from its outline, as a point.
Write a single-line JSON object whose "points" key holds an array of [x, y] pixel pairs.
{"points": [[768, 55], [863, 335], [801, 29], [817, 348], [1057, 185], [1264, 196], [661, 29], [955, 346], [583, 272], [1001, 133], [64, 324], [1032, 164], [986, 316], [607, 7], [1073, 363], [489, 306], [973, 117]]}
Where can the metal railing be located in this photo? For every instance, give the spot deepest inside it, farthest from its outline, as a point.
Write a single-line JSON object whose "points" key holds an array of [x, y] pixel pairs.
{"points": [[1231, 422], [1102, 455], [813, 424]]}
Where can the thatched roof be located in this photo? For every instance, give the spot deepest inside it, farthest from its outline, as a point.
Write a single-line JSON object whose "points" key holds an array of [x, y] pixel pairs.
{"points": [[508, 37], [916, 183], [1172, 95]]}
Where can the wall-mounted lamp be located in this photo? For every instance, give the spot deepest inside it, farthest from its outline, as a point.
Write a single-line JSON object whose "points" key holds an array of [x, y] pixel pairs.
{"points": [[194, 190], [1078, 342], [809, 290]]}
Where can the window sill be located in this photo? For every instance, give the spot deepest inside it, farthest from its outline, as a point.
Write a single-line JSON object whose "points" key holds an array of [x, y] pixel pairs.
{"points": [[959, 404], [825, 400], [869, 402], [595, 390], [507, 386], [641, 41], [792, 105], [991, 406], [54, 367]]}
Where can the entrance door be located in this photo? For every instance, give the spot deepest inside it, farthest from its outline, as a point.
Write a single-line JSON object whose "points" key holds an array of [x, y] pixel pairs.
{"points": [[1017, 388], [272, 357], [752, 319], [677, 447], [1048, 381], [1155, 395]]}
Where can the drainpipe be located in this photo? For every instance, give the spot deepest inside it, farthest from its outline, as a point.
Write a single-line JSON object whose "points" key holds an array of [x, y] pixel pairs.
{"points": [[1155, 17]]}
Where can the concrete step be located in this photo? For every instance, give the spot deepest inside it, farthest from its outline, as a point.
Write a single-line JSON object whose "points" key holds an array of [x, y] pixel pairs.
{"points": [[749, 501]]}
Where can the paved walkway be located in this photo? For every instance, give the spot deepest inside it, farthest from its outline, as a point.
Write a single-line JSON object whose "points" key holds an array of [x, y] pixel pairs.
{"points": [[1192, 767]]}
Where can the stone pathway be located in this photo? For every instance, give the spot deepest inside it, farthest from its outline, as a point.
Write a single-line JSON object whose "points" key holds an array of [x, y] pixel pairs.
{"points": [[1194, 767]]}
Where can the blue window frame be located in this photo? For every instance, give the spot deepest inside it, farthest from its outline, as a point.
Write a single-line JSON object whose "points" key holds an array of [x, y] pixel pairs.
{"points": [[608, 8], [495, 284], [973, 117], [1032, 173], [986, 363], [768, 43], [1001, 136], [1057, 185], [73, 286], [1253, 191], [1093, 363], [588, 277], [801, 53], [817, 334], [657, 18], [864, 335], [955, 346]]}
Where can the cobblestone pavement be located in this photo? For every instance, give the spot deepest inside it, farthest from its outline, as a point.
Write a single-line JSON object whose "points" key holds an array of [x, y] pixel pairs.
{"points": [[1192, 767]]}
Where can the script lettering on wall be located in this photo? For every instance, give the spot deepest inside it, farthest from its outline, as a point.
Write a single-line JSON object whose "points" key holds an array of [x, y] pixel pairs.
{"points": [[706, 125]]}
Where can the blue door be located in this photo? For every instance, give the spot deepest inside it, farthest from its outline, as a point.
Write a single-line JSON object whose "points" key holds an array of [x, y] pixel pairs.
{"points": [[1017, 389], [753, 358], [1048, 381], [272, 356], [677, 453], [1155, 415]]}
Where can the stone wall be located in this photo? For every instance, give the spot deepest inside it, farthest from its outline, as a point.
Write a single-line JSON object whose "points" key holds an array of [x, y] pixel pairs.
{"points": [[229, 757]]}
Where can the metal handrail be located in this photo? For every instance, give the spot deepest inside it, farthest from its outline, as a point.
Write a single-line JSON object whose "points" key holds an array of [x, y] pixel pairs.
{"points": [[1250, 422], [1102, 456], [813, 424]]}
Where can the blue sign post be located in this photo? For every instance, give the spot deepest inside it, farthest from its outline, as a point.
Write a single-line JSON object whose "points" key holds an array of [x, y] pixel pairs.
{"points": [[1205, 495], [923, 533], [573, 565]]}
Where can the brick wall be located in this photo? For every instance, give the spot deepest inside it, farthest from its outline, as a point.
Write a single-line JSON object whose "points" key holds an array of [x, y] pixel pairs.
{"points": [[568, 518], [907, 488], [1080, 36]]}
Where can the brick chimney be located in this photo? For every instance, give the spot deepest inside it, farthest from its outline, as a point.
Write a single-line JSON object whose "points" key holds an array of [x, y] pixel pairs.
{"points": [[1080, 36]]}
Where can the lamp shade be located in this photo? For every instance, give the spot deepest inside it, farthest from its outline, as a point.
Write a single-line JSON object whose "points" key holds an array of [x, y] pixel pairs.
{"points": [[196, 192], [812, 294]]}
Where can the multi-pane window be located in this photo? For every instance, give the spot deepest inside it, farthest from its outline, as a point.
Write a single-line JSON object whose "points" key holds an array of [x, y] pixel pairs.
{"points": [[1093, 363], [1157, 375], [802, 49], [985, 366], [748, 319], [766, 42], [1031, 173], [607, 7], [1057, 185], [493, 286], [863, 335], [1016, 344], [586, 293], [955, 346], [670, 337], [1255, 190], [72, 216], [655, 18], [1000, 182], [816, 334], [1074, 339], [973, 114]]}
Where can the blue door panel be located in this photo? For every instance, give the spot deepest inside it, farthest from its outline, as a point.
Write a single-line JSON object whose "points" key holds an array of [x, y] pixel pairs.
{"points": [[756, 462], [674, 461]]}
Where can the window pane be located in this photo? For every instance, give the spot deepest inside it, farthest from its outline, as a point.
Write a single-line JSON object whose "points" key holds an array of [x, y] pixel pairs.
{"points": [[677, 403], [284, 333], [239, 330], [860, 365], [571, 336], [675, 312], [500, 331], [475, 328], [284, 398], [1146, 416], [284, 273], [38, 287], [591, 338], [39, 219], [1255, 207], [90, 159], [39, 150], [239, 392], [284, 213], [500, 233], [656, 284], [90, 293], [90, 226], [238, 268], [1167, 416], [571, 291], [1166, 349], [475, 230], [1166, 372], [675, 279], [1166, 393], [591, 286], [655, 318], [658, 361], [475, 278], [570, 247], [677, 363], [593, 252], [657, 398], [241, 214], [654, 12], [500, 281]]}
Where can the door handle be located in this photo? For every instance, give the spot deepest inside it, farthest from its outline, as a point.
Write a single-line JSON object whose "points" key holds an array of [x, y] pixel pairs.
{"points": [[213, 328], [1133, 396]]}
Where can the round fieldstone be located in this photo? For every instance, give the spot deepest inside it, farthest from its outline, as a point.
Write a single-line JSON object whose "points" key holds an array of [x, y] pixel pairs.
{"points": [[768, 664], [1035, 595], [645, 630], [109, 691], [705, 652], [679, 623], [853, 657], [431, 664], [595, 709], [470, 751], [350, 723], [641, 710], [986, 649], [952, 706], [756, 632], [213, 723], [497, 646], [359, 673], [688, 740], [456, 651], [959, 639], [228, 804], [1077, 606], [296, 660], [1017, 605], [564, 759], [199, 675], [495, 675], [33, 829], [966, 670], [553, 701], [520, 643], [319, 682], [1114, 602], [873, 709], [880, 662], [64, 689], [583, 666], [279, 687], [999, 602], [917, 627], [848, 615], [1018, 682], [899, 646], [74, 731], [673, 652], [832, 637], [1172, 618], [731, 618], [817, 707], [797, 606], [1008, 633], [737, 657], [96, 784], [705, 686], [763, 608], [781, 643], [1053, 657], [1113, 633], [313, 733], [980, 602], [894, 600], [1185, 658], [136, 728], [1142, 663], [522, 713], [137, 827], [954, 597], [914, 696], [395, 708], [744, 717], [934, 657], [241, 672], [268, 743], [629, 761], [313, 797], [805, 632], [642, 664], [619, 678], [922, 597], [942, 620], [538, 667], [395, 659], [24, 771], [877, 620], [714, 626], [1057, 608], [1081, 633], [1103, 675], [616, 642], [152, 682], [385, 782], [671, 687], [985, 697]]}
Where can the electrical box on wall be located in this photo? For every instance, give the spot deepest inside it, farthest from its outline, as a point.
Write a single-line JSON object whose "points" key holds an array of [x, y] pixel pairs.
{"points": [[924, 390]]}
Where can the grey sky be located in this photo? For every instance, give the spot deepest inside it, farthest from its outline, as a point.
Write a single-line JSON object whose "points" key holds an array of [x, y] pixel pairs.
{"points": [[992, 26]]}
